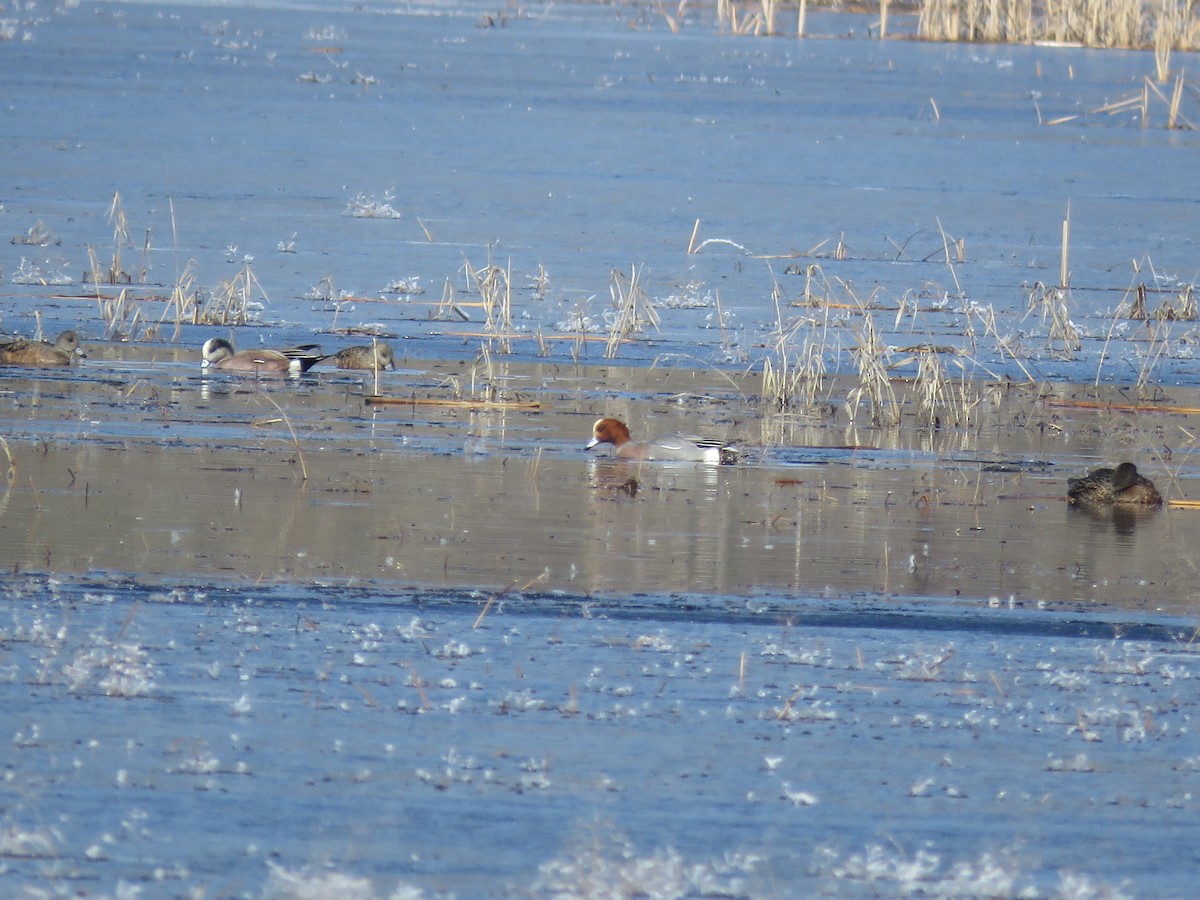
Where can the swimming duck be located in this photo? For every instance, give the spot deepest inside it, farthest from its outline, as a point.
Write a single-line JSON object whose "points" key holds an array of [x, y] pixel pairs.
{"points": [[24, 352], [218, 353], [676, 447], [377, 356], [1123, 485]]}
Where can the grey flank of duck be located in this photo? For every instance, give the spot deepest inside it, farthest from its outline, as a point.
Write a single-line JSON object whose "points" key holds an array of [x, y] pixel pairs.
{"points": [[1123, 486], [219, 354], [24, 352], [376, 356], [671, 447]]}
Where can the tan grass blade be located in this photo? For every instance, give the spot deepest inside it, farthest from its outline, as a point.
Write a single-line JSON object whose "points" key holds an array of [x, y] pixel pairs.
{"points": [[454, 403]]}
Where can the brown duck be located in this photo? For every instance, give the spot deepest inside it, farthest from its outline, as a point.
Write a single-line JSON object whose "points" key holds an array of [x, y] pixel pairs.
{"points": [[24, 352], [1123, 486], [377, 356]]}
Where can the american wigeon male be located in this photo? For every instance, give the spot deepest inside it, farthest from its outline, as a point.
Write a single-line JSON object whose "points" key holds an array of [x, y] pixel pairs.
{"points": [[219, 354], [377, 356], [24, 352]]}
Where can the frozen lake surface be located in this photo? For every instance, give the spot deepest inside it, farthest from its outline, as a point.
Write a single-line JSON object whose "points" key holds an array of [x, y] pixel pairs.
{"points": [[226, 741], [359, 158], [260, 639]]}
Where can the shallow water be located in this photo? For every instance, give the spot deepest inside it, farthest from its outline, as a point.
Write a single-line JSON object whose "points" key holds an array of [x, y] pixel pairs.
{"points": [[264, 638], [159, 471]]}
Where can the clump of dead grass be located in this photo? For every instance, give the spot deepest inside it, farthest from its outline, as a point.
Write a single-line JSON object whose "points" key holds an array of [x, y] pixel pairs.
{"points": [[236, 302], [874, 386], [794, 372], [114, 271], [1051, 303], [632, 310]]}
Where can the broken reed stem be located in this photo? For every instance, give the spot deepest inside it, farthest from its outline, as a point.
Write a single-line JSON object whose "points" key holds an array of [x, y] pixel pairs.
{"points": [[375, 362], [946, 250], [530, 405], [295, 440], [491, 601], [11, 473], [1064, 269]]}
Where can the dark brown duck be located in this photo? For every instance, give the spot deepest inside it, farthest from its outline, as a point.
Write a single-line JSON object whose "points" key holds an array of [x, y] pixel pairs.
{"points": [[1123, 486]]}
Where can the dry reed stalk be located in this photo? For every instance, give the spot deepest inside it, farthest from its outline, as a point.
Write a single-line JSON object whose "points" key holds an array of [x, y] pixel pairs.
{"points": [[183, 304], [801, 17], [1174, 118], [987, 315], [1187, 304], [542, 338], [1176, 98], [448, 305], [793, 378], [768, 15], [457, 403], [121, 316], [960, 248], [1051, 303], [725, 345], [1160, 345], [1137, 311], [491, 601], [1165, 35], [494, 287], [234, 300], [491, 389], [1064, 273], [375, 367], [1109, 406], [11, 473], [295, 440], [540, 283], [694, 248], [633, 310], [931, 386], [873, 382], [116, 217], [673, 21], [1113, 23]]}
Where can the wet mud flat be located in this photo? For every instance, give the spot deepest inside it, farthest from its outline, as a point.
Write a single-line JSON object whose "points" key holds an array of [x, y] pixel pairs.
{"points": [[260, 646]]}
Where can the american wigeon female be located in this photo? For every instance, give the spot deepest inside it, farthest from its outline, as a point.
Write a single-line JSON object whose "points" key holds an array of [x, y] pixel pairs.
{"points": [[1123, 486], [376, 356], [219, 354], [673, 447], [24, 352]]}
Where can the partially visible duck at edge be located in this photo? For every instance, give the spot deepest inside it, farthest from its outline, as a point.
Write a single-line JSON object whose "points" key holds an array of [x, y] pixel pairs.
{"points": [[376, 356], [1122, 486], [219, 354], [673, 447], [24, 352]]}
